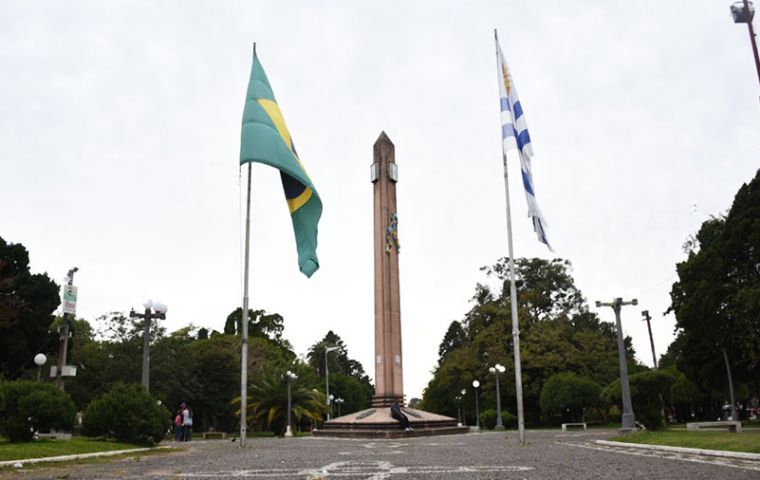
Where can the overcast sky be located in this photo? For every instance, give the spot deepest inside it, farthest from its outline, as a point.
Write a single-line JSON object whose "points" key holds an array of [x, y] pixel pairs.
{"points": [[120, 137]]}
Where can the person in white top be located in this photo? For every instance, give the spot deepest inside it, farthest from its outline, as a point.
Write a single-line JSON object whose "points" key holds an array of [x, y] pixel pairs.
{"points": [[187, 423]]}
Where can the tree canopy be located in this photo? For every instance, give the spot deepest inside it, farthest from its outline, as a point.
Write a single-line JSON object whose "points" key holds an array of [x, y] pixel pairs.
{"points": [[716, 299], [27, 303], [558, 334]]}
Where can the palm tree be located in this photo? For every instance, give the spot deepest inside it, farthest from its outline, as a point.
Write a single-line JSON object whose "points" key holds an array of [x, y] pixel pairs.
{"points": [[268, 403]]}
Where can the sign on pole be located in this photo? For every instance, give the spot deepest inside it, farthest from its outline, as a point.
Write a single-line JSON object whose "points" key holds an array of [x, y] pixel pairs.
{"points": [[70, 299]]}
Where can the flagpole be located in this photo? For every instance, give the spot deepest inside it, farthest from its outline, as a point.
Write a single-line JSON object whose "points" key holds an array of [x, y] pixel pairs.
{"points": [[244, 320], [513, 298]]}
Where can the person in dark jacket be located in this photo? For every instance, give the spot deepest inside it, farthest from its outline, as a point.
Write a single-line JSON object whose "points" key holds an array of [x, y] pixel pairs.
{"points": [[397, 414]]}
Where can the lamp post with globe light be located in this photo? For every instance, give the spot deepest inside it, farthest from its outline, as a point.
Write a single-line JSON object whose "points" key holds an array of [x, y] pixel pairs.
{"points": [[39, 360], [497, 370], [476, 385], [152, 310], [464, 411], [289, 376], [339, 401], [328, 397]]}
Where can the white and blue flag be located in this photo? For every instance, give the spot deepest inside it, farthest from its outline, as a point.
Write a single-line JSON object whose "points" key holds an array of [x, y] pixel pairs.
{"points": [[514, 136]]}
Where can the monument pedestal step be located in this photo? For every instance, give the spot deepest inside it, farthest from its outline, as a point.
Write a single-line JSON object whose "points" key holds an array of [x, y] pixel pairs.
{"points": [[378, 423]]}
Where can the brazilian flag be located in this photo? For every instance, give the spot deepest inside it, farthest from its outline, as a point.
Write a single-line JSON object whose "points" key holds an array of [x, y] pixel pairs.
{"points": [[266, 139]]}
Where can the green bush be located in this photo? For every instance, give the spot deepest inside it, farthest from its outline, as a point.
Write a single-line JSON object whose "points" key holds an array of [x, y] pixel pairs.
{"points": [[566, 396], [648, 390], [488, 419], [29, 407], [127, 413]]}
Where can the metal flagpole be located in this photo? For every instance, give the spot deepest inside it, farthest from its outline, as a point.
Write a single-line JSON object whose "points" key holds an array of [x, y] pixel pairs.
{"points": [[244, 320], [513, 297], [515, 321]]}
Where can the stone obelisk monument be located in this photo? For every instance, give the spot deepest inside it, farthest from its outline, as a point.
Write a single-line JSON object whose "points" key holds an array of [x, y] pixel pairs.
{"points": [[389, 379], [377, 422]]}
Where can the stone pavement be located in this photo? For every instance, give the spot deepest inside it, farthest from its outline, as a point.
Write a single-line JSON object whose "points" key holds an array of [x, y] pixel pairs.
{"points": [[549, 455]]}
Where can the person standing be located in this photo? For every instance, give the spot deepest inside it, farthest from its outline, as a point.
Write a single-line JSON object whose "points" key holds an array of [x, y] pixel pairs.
{"points": [[178, 434], [187, 423]]}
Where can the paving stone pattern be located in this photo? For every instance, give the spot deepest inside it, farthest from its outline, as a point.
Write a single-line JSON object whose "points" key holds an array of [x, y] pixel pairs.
{"points": [[549, 455]]}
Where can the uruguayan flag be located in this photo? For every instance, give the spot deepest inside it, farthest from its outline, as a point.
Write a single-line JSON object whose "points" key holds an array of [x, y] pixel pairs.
{"points": [[514, 136]]}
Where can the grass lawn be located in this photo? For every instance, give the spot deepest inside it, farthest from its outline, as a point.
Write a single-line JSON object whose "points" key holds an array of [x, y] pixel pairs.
{"points": [[747, 441], [54, 448]]}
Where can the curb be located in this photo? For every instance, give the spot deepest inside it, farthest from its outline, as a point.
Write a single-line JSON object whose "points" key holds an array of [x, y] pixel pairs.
{"points": [[698, 451], [79, 456]]}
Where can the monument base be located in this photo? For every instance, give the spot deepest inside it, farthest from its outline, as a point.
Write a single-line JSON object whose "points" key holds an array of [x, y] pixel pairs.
{"points": [[378, 423]]}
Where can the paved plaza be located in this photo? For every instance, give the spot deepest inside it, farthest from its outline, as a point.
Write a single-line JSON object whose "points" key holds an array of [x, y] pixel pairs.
{"points": [[549, 455]]}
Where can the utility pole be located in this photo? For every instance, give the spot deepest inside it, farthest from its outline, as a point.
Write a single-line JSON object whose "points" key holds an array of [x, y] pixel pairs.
{"points": [[158, 311], [64, 330], [647, 318], [629, 420]]}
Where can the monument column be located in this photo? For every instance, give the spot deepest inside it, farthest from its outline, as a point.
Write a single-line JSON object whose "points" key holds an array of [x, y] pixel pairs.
{"points": [[389, 381]]}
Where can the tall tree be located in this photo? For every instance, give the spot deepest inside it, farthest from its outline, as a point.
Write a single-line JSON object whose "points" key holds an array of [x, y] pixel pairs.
{"points": [[716, 299], [561, 335], [260, 324], [27, 303]]}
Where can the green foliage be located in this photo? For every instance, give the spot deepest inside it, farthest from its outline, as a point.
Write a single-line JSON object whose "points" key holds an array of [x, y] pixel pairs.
{"points": [[268, 406], [127, 413], [27, 303], [340, 363], [558, 334], [453, 339], [716, 299], [488, 419], [33, 406], [648, 392], [260, 324], [566, 396]]}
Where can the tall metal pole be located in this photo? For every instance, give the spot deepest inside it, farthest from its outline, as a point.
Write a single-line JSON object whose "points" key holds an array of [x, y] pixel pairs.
{"points": [[752, 37], [499, 424], [515, 320], [244, 320], [513, 296], [327, 384], [477, 409], [629, 420], [734, 415], [647, 317], [146, 354], [63, 346], [289, 402]]}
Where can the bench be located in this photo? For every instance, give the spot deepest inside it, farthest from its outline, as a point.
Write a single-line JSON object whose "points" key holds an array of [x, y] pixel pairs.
{"points": [[732, 425], [215, 435], [579, 424], [54, 436]]}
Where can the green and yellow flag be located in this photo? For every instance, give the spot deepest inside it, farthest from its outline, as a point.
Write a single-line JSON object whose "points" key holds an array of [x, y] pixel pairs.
{"points": [[265, 139]]}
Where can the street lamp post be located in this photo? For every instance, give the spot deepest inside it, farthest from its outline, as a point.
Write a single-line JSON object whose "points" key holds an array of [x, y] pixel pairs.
{"points": [[458, 398], [39, 360], [464, 410], [496, 370], [339, 401], [744, 12], [475, 385], [152, 310], [328, 398], [64, 335], [629, 420], [290, 376]]}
